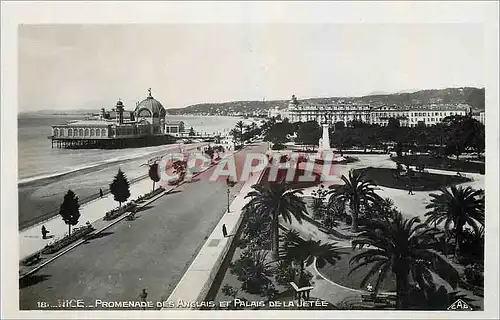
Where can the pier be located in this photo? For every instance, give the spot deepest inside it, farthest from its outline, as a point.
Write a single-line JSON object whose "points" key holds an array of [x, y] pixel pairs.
{"points": [[121, 143], [110, 143]]}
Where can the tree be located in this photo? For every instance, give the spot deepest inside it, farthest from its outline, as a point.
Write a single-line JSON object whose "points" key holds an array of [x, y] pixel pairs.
{"points": [[318, 206], [253, 271], [256, 228], [407, 249], [458, 134], [340, 125], [120, 187], [236, 135], [279, 131], [458, 206], [70, 210], [180, 168], [476, 135], [434, 298], [240, 126], [341, 139], [210, 152], [355, 191], [191, 132], [153, 173], [380, 210], [309, 133], [278, 200], [304, 253]]}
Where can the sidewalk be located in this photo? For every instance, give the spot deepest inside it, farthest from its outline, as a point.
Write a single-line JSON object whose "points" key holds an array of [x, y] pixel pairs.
{"points": [[197, 280], [30, 239]]}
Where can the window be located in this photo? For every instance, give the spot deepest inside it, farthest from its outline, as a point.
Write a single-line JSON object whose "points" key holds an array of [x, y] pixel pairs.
{"points": [[56, 132], [103, 132], [97, 132], [70, 132], [86, 132], [91, 132]]}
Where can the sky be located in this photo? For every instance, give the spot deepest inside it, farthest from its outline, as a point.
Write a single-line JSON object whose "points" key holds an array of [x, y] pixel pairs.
{"points": [[65, 67]]}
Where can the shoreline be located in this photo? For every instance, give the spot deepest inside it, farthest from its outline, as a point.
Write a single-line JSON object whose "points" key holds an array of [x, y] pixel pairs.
{"points": [[39, 197]]}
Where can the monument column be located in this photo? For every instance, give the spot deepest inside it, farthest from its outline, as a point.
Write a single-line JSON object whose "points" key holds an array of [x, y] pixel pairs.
{"points": [[325, 140]]}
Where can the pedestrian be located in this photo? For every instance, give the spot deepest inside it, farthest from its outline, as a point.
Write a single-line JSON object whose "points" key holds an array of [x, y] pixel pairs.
{"points": [[44, 232], [100, 193], [410, 189], [143, 297], [224, 230]]}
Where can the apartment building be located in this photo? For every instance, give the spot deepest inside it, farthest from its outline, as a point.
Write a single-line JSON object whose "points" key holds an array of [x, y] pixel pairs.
{"points": [[345, 112]]}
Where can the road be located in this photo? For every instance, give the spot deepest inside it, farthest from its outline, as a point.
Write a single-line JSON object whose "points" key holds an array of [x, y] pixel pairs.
{"points": [[151, 252]]}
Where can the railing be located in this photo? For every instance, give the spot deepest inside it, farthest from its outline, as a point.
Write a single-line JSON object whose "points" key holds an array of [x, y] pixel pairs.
{"points": [[50, 214]]}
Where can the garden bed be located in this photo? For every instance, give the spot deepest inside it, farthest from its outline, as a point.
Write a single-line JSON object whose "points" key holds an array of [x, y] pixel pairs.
{"points": [[150, 195], [115, 213], [422, 181], [296, 184], [441, 163], [61, 243]]}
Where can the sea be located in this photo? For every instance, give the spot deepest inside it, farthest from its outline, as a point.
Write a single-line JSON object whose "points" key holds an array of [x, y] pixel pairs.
{"points": [[45, 173]]}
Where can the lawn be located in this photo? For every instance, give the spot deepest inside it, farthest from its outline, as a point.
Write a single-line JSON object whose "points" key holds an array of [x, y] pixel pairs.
{"points": [[422, 181], [442, 163], [295, 183], [339, 273]]}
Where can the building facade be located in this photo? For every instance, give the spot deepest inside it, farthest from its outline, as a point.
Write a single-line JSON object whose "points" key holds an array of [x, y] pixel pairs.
{"points": [[147, 120], [327, 113], [174, 127], [346, 112], [480, 116]]}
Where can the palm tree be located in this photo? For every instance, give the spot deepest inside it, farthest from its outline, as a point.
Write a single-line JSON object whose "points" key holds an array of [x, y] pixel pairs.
{"points": [[253, 270], [277, 200], [257, 226], [407, 250], [458, 206], [434, 298], [240, 125], [296, 249], [355, 191]]}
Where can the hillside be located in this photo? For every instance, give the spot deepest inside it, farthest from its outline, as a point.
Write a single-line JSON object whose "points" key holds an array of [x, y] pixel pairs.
{"points": [[472, 96]]}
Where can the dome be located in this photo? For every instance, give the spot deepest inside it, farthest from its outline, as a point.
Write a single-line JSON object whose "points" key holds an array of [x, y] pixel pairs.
{"points": [[119, 103], [152, 105]]}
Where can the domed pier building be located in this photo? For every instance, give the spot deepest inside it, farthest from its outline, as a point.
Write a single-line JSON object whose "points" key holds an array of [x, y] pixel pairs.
{"points": [[118, 128]]}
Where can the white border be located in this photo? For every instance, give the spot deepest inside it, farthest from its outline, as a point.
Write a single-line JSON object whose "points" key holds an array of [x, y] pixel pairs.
{"points": [[14, 13]]}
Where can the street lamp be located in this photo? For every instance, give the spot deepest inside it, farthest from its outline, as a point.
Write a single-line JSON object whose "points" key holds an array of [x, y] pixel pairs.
{"points": [[228, 193]]}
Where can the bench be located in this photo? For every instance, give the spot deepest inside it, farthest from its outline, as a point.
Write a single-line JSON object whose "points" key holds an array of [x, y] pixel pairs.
{"points": [[32, 259], [301, 292]]}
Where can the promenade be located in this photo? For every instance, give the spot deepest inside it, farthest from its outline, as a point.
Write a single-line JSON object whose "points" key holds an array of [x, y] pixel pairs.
{"points": [[30, 239], [198, 279], [151, 252]]}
